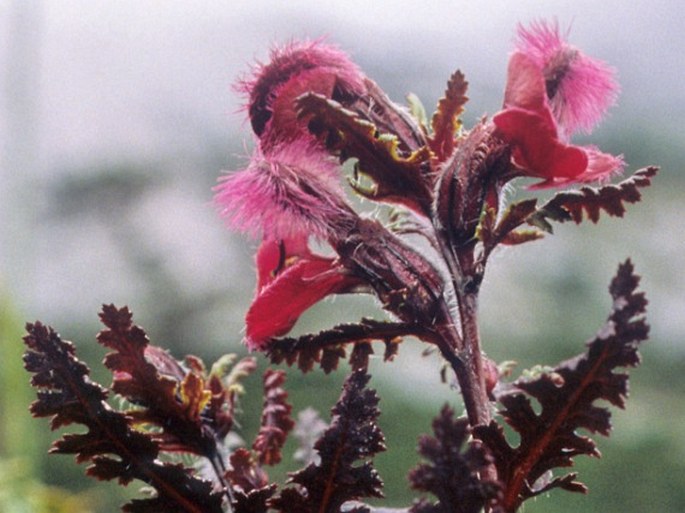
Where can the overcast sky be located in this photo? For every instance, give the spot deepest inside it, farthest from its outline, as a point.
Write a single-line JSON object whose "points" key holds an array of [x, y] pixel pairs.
{"points": [[129, 76], [87, 82]]}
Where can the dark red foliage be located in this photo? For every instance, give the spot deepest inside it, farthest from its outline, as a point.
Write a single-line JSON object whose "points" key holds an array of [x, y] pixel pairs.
{"points": [[113, 447], [312, 110], [352, 437], [590, 201], [456, 476], [170, 397], [276, 421], [328, 347], [567, 396], [245, 474]]}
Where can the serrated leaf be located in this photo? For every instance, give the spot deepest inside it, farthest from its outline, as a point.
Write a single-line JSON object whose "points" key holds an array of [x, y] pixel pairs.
{"points": [[344, 472], [113, 447], [308, 350], [445, 123], [567, 395], [454, 468], [502, 232], [172, 400], [398, 179], [276, 421], [589, 202], [245, 474]]}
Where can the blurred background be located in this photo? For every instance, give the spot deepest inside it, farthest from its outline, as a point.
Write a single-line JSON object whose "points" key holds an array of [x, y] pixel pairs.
{"points": [[116, 118]]}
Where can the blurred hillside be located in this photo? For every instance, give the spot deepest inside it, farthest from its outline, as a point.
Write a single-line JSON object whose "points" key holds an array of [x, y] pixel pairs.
{"points": [[116, 118]]}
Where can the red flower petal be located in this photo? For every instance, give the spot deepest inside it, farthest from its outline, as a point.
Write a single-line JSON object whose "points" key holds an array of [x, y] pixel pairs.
{"points": [[525, 84], [536, 145], [290, 280]]}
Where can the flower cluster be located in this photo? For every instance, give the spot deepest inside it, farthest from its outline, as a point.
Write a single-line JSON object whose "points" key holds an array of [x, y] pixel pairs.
{"points": [[311, 108]]}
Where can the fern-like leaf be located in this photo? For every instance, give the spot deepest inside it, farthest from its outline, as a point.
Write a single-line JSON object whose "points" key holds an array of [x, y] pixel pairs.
{"points": [[445, 122], [276, 420], [453, 474], [352, 436], [567, 396], [327, 347], [113, 447], [591, 201]]}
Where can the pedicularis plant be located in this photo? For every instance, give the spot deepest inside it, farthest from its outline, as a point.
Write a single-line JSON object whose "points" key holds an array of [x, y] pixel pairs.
{"points": [[312, 110]]}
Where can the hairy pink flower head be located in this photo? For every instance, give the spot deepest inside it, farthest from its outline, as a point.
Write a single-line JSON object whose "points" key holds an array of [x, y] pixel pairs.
{"points": [[293, 70], [579, 88], [290, 279], [293, 189], [529, 122]]}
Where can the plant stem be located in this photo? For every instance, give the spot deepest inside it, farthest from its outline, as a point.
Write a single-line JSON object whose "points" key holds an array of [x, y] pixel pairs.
{"points": [[462, 350], [472, 377]]}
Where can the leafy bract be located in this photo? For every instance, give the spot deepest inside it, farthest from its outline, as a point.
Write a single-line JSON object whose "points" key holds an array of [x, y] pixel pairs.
{"points": [[454, 474], [344, 472], [397, 179], [113, 447], [591, 201], [567, 395], [445, 123]]}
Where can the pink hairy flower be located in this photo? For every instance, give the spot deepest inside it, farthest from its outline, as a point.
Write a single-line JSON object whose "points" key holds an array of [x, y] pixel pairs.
{"points": [[528, 121], [294, 189], [290, 280], [579, 88], [293, 70]]}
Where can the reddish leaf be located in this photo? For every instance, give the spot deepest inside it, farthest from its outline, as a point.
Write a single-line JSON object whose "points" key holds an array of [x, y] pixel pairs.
{"points": [[114, 448], [307, 350], [590, 201], [446, 122], [172, 402], [276, 421], [224, 385], [255, 501], [491, 234], [245, 474], [352, 436], [454, 475], [567, 396]]}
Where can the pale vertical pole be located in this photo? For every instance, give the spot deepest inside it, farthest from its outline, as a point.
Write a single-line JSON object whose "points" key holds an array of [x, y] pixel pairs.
{"points": [[20, 198]]}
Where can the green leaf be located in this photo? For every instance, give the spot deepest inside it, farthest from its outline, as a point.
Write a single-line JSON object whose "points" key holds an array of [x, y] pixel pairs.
{"points": [[417, 110]]}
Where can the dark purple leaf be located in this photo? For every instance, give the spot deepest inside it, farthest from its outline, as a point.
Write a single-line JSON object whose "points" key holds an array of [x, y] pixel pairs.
{"points": [[566, 396], [344, 472], [455, 470]]}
